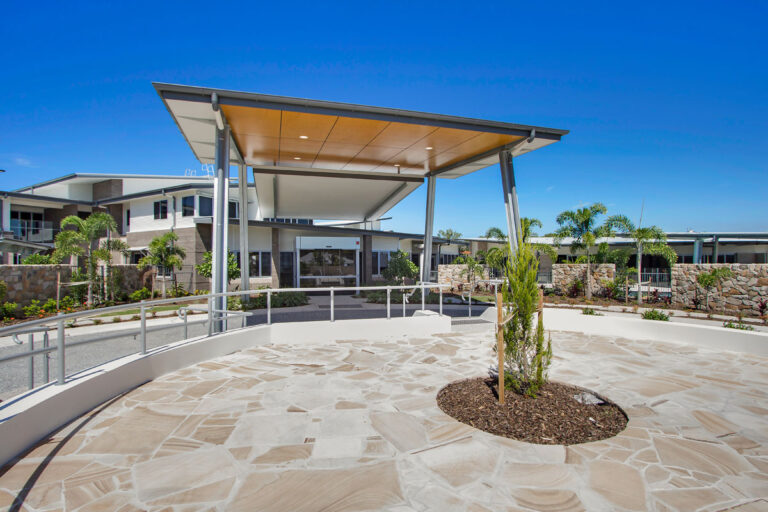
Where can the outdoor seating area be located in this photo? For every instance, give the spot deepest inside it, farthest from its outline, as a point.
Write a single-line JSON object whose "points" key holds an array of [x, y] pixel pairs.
{"points": [[353, 424]]}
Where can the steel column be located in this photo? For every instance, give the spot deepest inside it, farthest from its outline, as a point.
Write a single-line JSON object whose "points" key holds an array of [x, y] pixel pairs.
{"points": [[715, 249], [510, 199], [698, 245], [242, 184], [426, 265], [220, 223]]}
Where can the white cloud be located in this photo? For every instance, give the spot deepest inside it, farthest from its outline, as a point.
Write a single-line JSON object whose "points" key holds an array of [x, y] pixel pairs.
{"points": [[22, 162], [550, 188]]}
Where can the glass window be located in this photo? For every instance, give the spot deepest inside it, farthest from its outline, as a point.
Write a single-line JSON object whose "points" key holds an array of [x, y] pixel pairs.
{"points": [[188, 206], [383, 262], [253, 264], [161, 209], [266, 264], [233, 210], [128, 217], [206, 206]]}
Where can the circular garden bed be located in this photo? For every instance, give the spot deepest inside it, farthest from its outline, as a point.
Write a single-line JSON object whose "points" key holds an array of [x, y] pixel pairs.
{"points": [[560, 413]]}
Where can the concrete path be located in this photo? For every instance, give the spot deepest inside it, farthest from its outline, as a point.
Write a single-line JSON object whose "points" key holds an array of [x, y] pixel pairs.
{"points": [[354, 425]]}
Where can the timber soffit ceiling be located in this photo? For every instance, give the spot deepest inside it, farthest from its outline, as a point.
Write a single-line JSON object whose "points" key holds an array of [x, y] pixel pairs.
{"points": [[275, 133]]}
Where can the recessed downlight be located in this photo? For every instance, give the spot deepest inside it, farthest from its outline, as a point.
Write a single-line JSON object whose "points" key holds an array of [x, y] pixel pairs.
{"points": [[297, 158], [397, 165], [303, 137], [428, 148]]}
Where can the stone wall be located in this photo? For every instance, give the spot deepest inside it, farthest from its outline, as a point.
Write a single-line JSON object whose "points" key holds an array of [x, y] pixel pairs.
{"points": [[27, 282], [456, 274], [563, 275], [741, 292]]}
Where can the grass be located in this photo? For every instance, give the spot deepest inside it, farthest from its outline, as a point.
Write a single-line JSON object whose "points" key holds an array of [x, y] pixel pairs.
{"points": [[136, 311]]}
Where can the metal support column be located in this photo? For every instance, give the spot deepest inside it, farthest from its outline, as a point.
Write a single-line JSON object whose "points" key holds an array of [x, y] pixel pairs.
{"points": [[242, 184], [220, 224], [715, 249], [698, 245], [510, 199], [426, 266]]}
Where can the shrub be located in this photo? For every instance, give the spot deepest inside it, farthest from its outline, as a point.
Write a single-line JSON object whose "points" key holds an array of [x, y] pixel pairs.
{"points": [[400, 267], [762, 304], [8, 310], [79, 292], [67, 303], [32, 309], [50, 306], [289, 299], [576, 288], [116, 320], [178, 290], [97, 321], [612, 289], [140, 294], [654, 314], [234, 304], [3, 289], [590, 312], [526, 358], [37, 259], [738, 325]]}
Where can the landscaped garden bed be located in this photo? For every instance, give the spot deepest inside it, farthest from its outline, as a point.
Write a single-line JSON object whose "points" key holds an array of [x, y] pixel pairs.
{"points": [[559, 414]]}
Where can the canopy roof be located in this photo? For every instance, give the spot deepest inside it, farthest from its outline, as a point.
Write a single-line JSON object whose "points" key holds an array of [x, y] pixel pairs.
{"points": [[292, 133]]}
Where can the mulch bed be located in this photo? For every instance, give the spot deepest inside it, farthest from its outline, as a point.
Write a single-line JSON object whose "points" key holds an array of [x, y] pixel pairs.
{"points": [[553, 417]]}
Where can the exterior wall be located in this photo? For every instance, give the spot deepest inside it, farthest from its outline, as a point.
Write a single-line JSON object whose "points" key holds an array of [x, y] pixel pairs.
{"points": [[741, 292], [564, 274], [455, 276], [27, 282]]}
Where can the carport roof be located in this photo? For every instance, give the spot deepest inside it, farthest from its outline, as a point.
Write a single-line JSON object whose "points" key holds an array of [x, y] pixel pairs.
{"points": [[276, 132]]}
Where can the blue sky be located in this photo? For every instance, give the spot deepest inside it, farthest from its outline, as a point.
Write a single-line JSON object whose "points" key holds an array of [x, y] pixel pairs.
{"points": [[667, 102]]}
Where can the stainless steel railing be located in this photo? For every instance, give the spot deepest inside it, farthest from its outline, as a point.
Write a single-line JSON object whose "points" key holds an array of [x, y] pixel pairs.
{"points": [[217, 320]]}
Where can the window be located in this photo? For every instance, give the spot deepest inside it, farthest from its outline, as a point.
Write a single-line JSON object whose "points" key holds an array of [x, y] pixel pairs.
{"points": [[266, 263], [128, 217], [205, 205], [161, 209], [188, 206], [253, 265], [233, 210]]}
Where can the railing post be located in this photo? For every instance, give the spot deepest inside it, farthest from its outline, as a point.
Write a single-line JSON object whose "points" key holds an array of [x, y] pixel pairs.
{"points": [[186, 331], [441, 301], [61, 371], [143, 333], [404, 297], [31, 361], [46, 360], [269, 308], [332, 306], [210, 316], [423, 296], [389, 298]]}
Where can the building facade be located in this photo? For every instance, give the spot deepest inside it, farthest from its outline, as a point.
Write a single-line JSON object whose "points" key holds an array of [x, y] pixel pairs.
{"points": [[310, 252]]}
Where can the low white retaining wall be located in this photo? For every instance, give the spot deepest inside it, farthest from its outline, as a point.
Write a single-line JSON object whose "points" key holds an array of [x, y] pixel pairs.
{"points": [[634, 327], [28, 418]]}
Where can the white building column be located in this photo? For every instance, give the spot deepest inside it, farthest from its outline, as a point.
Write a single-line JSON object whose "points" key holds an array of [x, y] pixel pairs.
{"points": [[426, 265], [220, 223], [510, 199], [242, 184]]}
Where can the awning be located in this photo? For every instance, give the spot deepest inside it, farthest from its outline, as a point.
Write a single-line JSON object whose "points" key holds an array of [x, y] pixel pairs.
{"points": [[298, 134]]}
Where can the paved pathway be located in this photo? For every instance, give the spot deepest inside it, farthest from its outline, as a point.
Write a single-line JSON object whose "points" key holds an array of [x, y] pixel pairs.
{"points": [[354, 425]]}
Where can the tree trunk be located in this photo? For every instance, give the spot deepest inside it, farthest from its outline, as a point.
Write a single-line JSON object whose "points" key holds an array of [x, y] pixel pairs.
{"points": [[588, 284], [163, 286], [91, 277], [639, 275]]}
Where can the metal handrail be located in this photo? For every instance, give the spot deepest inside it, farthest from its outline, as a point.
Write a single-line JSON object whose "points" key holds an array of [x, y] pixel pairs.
{"points": [[215, 316]]}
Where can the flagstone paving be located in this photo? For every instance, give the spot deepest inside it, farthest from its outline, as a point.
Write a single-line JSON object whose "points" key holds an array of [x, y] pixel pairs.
{"points": [[355, 426]]}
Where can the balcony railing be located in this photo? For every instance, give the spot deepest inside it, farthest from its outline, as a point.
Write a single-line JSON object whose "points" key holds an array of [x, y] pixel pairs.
{"points": [[40, 231]]}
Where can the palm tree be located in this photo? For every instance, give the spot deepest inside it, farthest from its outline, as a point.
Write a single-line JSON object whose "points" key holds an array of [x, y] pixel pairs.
{"points": [[449, 234], [82, 241], [164, 253], [104, 253], [650, 240], [526, 226], [496, 233], [581, 225]]}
